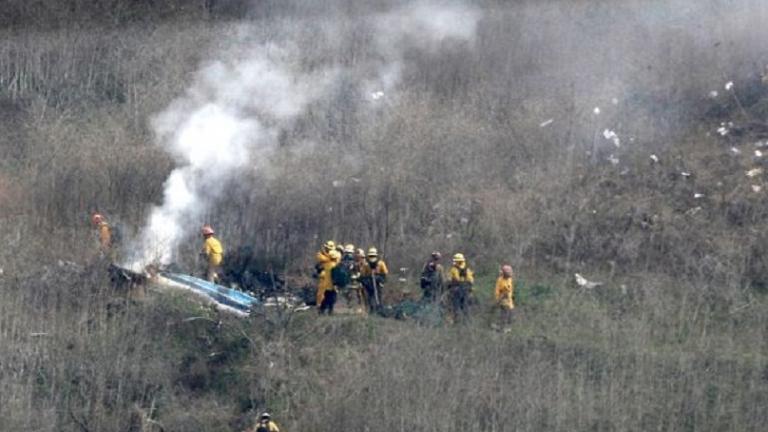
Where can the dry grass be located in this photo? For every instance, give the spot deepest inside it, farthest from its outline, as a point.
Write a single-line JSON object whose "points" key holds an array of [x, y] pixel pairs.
{"points": [[674, 340]]}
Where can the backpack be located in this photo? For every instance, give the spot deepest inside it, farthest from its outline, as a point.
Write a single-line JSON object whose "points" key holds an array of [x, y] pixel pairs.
{"points": [[341, 276]]}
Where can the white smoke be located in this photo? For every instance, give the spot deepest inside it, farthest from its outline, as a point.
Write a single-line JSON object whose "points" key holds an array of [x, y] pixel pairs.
{"points": [[232, 113], [230, 117], [423, 26]]}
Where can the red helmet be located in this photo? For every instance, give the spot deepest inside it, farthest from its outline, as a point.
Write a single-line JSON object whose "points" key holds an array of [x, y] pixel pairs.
{"points": [[97, 218], [208, 230]]}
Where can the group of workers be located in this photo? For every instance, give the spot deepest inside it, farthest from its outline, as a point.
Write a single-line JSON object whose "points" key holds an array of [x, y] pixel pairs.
{"points": [[360, 276]]}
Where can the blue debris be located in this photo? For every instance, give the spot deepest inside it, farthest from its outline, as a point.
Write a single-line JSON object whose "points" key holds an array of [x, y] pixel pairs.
{"points": [[220, 294]]}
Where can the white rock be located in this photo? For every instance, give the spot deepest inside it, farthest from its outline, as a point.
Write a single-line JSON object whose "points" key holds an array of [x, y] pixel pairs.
{"points": [[729, 85], [596, 111], [654, 158]]}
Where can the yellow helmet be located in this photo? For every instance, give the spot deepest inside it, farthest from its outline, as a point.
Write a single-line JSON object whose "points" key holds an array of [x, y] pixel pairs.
{"points": [[372, 252], [350, 248], [458, 258], [334, 254], [329, 245]]}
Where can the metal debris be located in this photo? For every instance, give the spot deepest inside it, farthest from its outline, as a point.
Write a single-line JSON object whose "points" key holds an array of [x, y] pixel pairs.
{"points": [[698, 195], [596, 111], [693, 211], [584, 283], [756, 188], [729, 86], [655, 158], [758, 153], [734, 150], [611, 135], [754, 172], [613, 159], [377, 95], [685, 174], [546, 123], [713, 94]]}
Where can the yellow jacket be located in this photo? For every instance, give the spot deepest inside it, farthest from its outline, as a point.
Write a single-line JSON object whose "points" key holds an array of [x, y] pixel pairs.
{"points": [[381, 268], [326, 261], [213, 250], [505, 292], [105, 235], [270, 426], [460, 274]]}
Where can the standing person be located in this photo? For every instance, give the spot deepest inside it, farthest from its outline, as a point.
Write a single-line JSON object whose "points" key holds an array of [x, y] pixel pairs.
{"points": [[460, 286], [373, 275], [505, 293], [213, 253], [344, 275], [105, 234], [265, 424], [432, 278], [326, 259]]}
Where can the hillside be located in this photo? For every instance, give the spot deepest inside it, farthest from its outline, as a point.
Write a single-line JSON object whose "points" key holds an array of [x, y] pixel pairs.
{"points": [[624, 141]]}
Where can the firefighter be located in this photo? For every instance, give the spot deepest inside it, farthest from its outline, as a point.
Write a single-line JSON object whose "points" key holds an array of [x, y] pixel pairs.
{"points": [[325, 260], [460, 287], [505, 293], [105, 232], [432, 278], [265, 424], [373, 275], [345, 276], [213, 254]]}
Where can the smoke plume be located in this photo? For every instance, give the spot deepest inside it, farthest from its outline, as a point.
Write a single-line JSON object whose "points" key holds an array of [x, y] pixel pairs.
{"points": [[230, 117]]}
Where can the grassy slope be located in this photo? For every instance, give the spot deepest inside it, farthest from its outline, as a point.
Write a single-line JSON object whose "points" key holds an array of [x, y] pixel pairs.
{"points": [[573, 361], [681, 347]]}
